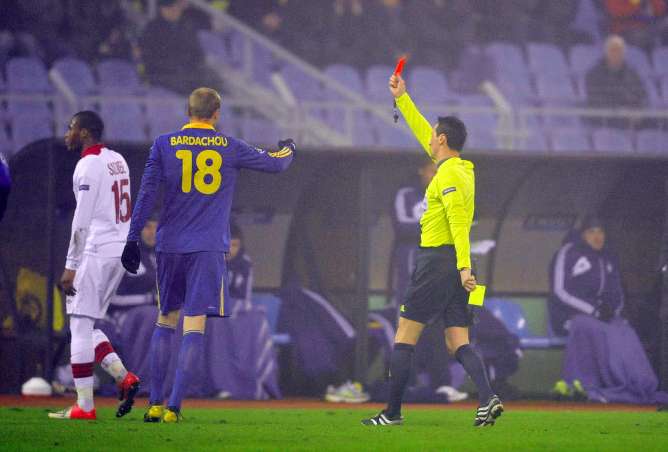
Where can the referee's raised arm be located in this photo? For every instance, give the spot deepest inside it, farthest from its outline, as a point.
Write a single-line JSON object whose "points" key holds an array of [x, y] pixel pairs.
{"points": [[417, 123]]}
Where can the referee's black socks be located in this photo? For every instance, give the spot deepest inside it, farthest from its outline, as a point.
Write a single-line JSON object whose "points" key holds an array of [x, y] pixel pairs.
{"points": [[400, 369], [474, 366]]}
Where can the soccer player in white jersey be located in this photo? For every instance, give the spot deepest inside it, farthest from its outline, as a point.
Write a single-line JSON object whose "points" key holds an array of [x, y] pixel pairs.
{"points": [[93, 268]]}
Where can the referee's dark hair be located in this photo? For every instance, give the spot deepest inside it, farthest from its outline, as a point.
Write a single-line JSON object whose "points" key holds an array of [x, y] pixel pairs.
{"points": [[454, 130], [92, 122]]}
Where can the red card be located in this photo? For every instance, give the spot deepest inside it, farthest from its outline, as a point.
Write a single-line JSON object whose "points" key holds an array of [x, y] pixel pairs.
{"points": [[400, 65]]}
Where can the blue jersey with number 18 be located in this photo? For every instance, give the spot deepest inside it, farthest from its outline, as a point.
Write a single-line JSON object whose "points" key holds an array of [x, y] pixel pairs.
{"points": [[197, 169]]}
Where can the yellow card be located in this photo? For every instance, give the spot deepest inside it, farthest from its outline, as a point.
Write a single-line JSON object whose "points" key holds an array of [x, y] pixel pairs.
{"points": [[477, 297]]}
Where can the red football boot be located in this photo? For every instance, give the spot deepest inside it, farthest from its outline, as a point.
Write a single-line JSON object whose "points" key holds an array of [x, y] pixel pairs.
{"points": [[74, 412], [128, 389]]}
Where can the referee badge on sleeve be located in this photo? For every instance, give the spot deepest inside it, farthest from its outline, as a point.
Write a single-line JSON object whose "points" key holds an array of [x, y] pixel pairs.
{"points": [[449, 190]]}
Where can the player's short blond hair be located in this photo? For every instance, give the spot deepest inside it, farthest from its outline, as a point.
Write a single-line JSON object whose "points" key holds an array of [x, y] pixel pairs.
{"points": [[203, 103]]}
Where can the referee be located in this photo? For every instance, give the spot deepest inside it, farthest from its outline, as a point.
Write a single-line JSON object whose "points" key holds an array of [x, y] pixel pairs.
{"points": [[442, 277]]}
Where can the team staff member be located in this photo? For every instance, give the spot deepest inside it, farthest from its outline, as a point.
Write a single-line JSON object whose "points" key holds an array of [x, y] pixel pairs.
{"points": [[442, 277]]}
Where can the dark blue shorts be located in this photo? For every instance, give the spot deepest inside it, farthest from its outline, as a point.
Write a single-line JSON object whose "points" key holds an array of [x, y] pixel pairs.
{"points": [[194, 282]]}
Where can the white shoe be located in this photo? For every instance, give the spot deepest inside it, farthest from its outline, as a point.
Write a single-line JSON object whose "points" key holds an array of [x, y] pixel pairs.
{"points": [[349, 392], [452, 394]]}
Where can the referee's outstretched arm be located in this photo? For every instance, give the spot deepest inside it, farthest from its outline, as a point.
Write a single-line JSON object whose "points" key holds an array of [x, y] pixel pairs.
{"points": [[418, 124]]}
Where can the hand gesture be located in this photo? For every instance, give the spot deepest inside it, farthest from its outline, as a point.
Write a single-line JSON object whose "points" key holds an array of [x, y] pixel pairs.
{"points": [[468, 280], [397, 86]]}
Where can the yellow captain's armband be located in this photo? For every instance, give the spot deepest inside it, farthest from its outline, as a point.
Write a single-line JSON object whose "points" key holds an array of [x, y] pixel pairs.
{"points": [[198, 141]]}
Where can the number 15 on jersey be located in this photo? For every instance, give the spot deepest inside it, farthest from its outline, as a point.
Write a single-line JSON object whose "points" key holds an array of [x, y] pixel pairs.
{"points": [[208, 163]]}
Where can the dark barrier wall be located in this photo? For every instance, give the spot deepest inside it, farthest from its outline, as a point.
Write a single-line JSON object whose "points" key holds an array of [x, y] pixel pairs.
{"points": [[308, 225]]}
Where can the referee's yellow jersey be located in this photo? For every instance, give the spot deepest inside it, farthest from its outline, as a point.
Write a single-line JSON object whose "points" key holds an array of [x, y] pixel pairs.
{"points": [[450, 196]]}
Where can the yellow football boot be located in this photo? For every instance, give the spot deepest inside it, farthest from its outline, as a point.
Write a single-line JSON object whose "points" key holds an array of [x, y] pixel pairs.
{"points": [[154, 413], [171, 417]]}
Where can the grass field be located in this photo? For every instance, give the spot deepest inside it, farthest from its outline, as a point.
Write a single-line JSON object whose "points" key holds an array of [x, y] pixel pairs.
{"points": [[282, 429]]}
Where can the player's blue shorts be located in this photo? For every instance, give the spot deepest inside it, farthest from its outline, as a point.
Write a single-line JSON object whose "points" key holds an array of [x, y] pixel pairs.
{"points": [[194, 282]]}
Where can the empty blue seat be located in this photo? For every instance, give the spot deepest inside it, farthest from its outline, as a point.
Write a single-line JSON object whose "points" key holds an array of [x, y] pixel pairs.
{"points": [[118, 76], [27, 75], [556, 89], [37, 107], [612, 140], [264, 64], [271, 305], [212, 44], [364, 131], [583, 57], [394, 136], [123, 121], [563, 121], [660, 59], [517, 88], [638, 60], [376, 83], [536, 141], [652, 142], [348, 76], [78, 75], [428, 85], [259, 131], [664, 89], [302, 85], [653, 95], [570, 140], [546, 59], [481, 130], [507, 57], [30, 128], [510, 314], [165, 113]]}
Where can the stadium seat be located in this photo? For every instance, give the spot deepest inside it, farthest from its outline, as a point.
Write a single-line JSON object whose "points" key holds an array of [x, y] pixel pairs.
{"points": [[660, 59], [259, 131], [118, 76], [303, 86], [123, 121], [564, 121], [583, 57], [588, 18], [364, 132], [27, 128], [78, 75], [212, 44], [34, 106], [481, 130], [570, 140], [510, 314], [6, 145], [165, 113], [536, 141], [264, 64], [546, 59], [556, 89], [638, 60], [376, 82], [348, 76], [517, 88], [664, 89], [612, 140], [652, 142], [508, 58], [653, 96], [428, 85], [394, 136], [27, 75]]}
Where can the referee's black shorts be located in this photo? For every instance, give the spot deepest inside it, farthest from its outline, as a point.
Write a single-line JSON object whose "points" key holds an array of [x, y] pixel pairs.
{"points": [[436, 289]]}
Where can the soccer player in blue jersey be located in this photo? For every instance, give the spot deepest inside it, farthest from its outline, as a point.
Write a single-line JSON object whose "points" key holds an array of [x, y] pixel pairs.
{"points": [[197, 168]]}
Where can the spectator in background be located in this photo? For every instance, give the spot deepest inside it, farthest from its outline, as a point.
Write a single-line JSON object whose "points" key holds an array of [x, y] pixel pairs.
{"points": [[604, 358], [348, 34], [515, 21], [638, 21], [171, 52], [239, 273], [392, 35], [612, 83]]}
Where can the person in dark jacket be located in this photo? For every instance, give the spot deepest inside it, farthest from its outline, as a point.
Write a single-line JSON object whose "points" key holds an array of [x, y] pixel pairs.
{"points": [[613, 83], [604, 359]]}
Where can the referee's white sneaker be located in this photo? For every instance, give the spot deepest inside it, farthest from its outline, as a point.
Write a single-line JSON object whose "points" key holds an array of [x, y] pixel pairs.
{"points": [[452, 394]]}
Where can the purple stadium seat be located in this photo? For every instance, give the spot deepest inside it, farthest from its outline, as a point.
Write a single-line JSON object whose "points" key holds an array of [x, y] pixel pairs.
{"points": [[259, 131], [167, 113], [612, 140], [570, 140], [653, 94], [481, 128], [638, 60], [27, 75], [560, 121], [428, 85], [546, 58], [583, 57], [376, 83], [556, 89], [302, 85], [536, 141], [588, 18], [348, 76], [37, 107], [123, 121], [6, 145], [660, 59], [212, 44], [264, 64], [517, 88], [652, 142], [393, 136], [29, 128], [508, 58], [664, 89], [78, 75], [118, 77]]}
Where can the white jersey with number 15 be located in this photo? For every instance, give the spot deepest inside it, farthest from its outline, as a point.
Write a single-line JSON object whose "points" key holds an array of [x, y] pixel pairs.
{"points": [[101, 185]]}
